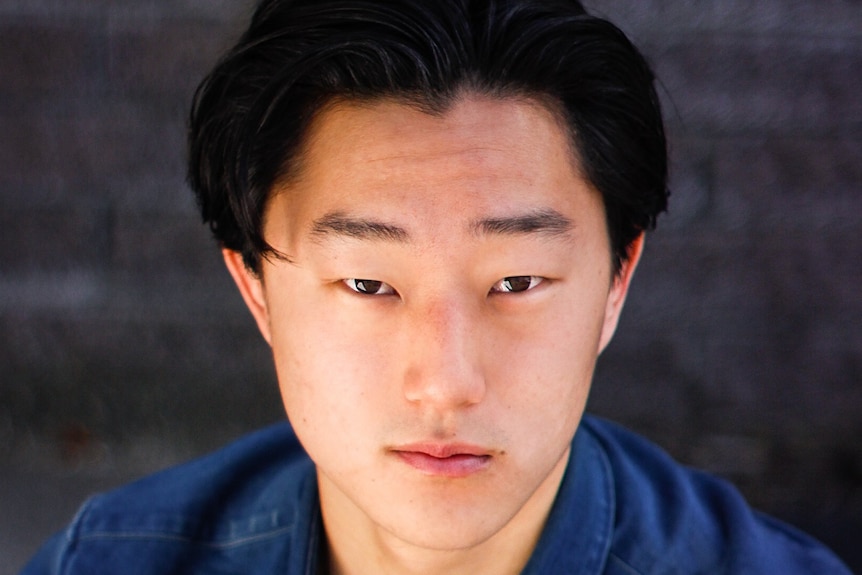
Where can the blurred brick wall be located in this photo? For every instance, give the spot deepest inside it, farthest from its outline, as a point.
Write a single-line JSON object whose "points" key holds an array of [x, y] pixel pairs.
{"points": [[123, 346], [741, 346], [117, 319]]}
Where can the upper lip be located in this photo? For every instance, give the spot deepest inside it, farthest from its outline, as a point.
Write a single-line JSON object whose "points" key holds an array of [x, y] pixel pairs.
{"points": [[443, 450]]}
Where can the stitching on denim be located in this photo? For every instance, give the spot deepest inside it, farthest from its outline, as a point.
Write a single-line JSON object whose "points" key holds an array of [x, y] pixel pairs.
{"points": [[132, 535], [624, 564]]}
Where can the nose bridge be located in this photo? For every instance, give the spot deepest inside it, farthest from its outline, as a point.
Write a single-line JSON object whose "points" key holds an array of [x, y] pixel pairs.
{"points": [[444, 367]]}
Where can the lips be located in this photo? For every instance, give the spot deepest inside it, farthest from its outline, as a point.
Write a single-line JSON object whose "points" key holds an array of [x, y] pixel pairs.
{"points": [[444, 460]]}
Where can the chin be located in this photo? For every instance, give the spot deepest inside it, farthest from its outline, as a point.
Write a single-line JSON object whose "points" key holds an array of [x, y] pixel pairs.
{"points": [[450, 527], [435, 536]]}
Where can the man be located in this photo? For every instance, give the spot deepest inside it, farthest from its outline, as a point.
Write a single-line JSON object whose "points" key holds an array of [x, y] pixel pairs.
{"points": [[433, 210]]}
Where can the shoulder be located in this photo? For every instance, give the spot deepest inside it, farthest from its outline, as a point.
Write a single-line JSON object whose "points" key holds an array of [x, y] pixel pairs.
{"points": [[670, 518], [235, 477], [256, 473], [249, 497]]}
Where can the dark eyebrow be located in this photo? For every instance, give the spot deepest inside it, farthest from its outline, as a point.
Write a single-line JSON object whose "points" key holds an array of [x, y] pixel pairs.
{"points": [[341, 224], [550, 222]]}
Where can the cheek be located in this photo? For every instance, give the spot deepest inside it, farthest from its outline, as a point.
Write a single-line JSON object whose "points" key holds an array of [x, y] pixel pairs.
{"points": [[559, 340], [544, 371], [327, 367]]}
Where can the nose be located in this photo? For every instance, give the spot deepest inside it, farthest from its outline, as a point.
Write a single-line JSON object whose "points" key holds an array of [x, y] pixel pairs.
{"points": [[443, 365]]}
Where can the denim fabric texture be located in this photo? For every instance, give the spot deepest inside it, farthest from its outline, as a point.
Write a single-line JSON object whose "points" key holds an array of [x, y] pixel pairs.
{"points": [[624, 508]]}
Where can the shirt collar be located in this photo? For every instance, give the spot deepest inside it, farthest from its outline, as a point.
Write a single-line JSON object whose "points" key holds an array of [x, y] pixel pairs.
{"points": [[579, 530]]}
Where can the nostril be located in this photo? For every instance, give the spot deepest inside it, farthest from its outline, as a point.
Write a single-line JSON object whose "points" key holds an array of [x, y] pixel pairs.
{"points": [[454, 384]]}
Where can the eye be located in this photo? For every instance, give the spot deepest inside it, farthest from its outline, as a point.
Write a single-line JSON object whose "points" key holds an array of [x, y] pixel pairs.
{"points": [[369, 287], [516, 284]]}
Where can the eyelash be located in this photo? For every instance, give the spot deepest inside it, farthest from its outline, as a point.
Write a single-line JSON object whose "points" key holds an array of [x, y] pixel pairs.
{"points": [[378, 288]]}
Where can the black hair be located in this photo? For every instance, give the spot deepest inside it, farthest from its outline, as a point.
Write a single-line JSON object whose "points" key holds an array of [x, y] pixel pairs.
{"points": [[250, 115]]}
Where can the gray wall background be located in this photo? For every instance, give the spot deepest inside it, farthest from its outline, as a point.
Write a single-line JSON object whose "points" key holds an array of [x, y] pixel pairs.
{"points": [[124, 348]]}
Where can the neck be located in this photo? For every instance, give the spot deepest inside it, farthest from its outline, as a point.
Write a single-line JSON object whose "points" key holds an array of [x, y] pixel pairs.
{"points": [[357, 545]]}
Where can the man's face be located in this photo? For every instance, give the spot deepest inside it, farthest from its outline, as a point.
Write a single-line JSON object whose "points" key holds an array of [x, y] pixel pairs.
{"points": [[435, 330]]}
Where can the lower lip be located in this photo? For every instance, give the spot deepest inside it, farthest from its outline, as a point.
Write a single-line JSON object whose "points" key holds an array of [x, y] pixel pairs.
{"points": [[453, 466]]}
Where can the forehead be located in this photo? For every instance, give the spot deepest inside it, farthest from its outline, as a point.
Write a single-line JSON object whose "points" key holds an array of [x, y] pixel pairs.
{"points": [[369, 130], [481, 157]]}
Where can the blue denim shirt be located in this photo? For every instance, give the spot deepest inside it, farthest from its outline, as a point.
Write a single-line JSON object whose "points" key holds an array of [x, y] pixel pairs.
{"points": [[623, 508]]}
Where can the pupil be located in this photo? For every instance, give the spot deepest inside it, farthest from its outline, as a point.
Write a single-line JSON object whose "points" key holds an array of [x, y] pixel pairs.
{"points": [[518, 283], [368, 286]]}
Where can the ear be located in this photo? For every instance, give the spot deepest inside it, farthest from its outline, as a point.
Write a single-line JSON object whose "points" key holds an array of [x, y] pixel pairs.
{"points": [[619, 290], [251, 288]]}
